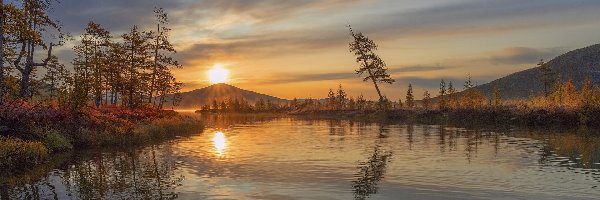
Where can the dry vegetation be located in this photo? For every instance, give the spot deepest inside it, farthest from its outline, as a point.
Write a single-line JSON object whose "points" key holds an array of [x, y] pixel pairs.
{"points": [[30, 133]]}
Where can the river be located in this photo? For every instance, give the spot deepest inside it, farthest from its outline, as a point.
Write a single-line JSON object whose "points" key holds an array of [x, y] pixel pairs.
{"points": [[254, 157]]}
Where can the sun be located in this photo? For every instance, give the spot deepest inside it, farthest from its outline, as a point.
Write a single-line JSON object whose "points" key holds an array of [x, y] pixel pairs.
{"points": [[218, 74]]}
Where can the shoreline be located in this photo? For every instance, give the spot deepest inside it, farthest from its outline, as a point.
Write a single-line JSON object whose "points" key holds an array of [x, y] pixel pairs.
{"points": [[490, 117], [45, 132]]}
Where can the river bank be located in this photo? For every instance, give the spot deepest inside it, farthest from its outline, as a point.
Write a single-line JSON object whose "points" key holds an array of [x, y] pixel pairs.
{"points": [[501, 116], [33, 134]]}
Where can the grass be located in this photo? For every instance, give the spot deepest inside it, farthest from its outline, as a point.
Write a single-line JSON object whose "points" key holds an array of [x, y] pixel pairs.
{"points": [[16, 152]]}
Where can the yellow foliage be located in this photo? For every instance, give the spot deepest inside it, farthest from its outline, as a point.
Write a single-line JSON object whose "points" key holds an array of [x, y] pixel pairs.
{"points": [[16, 151]]}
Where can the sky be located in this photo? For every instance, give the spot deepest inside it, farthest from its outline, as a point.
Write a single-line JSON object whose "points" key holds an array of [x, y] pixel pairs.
{"points": [[299, 48]]}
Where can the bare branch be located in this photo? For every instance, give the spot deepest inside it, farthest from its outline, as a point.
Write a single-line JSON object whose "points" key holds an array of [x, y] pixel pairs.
{"points": [[20, 57]]}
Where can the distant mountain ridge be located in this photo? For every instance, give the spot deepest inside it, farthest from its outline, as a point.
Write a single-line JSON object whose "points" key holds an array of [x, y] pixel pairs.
{"points": [[575, 65], [196, 98]]}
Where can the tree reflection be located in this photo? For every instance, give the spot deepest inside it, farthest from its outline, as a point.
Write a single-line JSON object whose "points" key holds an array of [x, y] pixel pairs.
{"points": [[410, 131], [134, 174], [370, 173], [579, 151]]}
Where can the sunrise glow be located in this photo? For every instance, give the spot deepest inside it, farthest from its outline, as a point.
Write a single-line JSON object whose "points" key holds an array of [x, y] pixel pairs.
{"points": [[218, 74]]}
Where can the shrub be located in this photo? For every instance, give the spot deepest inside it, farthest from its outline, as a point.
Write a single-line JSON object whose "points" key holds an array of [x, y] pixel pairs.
{"points": [[168, 128], [16, 152], [56, 142]]}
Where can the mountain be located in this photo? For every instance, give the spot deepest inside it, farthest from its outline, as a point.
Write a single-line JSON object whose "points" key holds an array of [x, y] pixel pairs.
{"points": [[575, 65], [196, 98]]}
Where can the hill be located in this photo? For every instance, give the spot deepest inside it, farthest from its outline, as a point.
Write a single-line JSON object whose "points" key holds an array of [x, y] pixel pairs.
{"points": [[196, 98], [575, 65]]}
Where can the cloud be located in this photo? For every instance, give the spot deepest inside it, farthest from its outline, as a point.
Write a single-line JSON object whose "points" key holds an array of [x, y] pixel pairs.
{"points": [[521, 55], [295, 78], [416, 69], [270, 10], [119, 15], [116, 15], [259, 46], [477, 17]]}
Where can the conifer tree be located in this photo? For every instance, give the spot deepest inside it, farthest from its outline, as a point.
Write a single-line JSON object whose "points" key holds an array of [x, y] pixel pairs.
{"points": [[91, 62], [452, 100], [361, 102], [496, 98], [116, 67], [410, 98], [215, 105], [472, 98], [426, 100], [400, 104], [331, 100], [137, 57], [547, 77], [442, 95], [159, 72], [56, 76], [341, 97], [570, 94], [351, 104], [588, 100], [364, 50]]}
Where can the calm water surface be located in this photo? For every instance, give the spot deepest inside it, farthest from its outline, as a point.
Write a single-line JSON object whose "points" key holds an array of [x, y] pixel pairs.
{"points": [[247, 157]]}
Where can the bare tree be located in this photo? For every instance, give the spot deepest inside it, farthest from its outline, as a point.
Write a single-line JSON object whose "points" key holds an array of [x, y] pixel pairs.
{"points": [[363, 48], [34, 21]]}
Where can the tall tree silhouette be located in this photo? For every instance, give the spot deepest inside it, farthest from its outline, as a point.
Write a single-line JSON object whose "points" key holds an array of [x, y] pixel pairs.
{"points": [[116, 77], [35, 22], [426, 99], [547, 77], [160, 80], [136, 43], [442, 96], [410, 98], [496, 97], [92, 61], [452, 99], [341, 97], [364, 50], [56, 76], [331, 99]]}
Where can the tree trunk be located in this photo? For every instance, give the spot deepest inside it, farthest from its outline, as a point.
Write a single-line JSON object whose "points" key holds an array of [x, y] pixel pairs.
{"points": [[376, 86], [97, 77], [2, 18], [24, 84], [155, 64], [131, 81]]}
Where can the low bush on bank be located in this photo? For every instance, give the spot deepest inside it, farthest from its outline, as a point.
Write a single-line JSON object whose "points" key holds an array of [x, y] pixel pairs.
{"points": [[15, 152], [167, 128], [30, 133]]}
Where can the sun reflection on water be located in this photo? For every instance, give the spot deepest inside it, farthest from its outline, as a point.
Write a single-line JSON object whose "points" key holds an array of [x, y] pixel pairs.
{"points": [[220, 143]]}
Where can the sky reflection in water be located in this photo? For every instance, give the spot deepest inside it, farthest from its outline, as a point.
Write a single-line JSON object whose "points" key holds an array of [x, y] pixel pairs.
{"points": [[285, 158]]}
